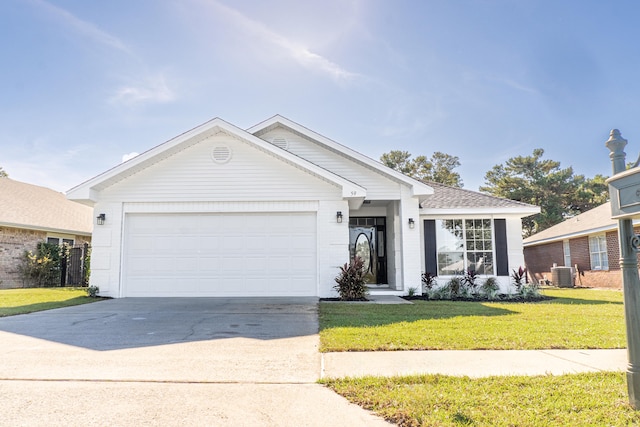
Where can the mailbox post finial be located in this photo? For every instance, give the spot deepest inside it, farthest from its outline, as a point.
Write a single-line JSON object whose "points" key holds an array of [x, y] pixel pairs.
{"points": [[616, 144]]}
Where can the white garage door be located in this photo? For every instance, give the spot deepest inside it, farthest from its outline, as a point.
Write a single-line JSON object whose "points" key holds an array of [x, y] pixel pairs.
{"points": [[262, 254]]}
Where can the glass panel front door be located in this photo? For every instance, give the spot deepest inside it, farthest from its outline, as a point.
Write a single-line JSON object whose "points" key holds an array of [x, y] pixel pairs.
{"points": [[367, 240]]}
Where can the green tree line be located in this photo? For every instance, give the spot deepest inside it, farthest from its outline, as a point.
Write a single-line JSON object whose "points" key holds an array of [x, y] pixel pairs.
{"points": [[558, 191]]}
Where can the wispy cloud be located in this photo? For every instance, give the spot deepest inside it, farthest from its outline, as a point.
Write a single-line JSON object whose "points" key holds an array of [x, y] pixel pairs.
{"points": [[149, 88], [409, 115], [296, 51], [521, 87], [85, 28], [152, 89]]}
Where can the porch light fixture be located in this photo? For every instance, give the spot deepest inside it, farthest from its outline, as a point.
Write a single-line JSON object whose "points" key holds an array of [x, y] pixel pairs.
{"points": [[411, 223], [339, 217], [100, 219]]}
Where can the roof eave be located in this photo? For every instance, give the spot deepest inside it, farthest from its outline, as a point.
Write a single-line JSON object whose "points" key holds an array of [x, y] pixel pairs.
{"points": [[520, 211], [45, 229], [581, 233]]}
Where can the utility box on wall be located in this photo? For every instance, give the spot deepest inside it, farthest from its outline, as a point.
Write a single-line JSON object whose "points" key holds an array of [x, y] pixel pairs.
{"points": [[562, 277]]}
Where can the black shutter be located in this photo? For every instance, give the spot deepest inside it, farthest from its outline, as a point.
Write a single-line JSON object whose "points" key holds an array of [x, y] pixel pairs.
{"points": [[430, 248], [502, 254]]}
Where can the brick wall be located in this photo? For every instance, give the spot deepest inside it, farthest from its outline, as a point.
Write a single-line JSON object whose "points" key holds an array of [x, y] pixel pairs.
{"points": [[613, 250], [611, 279], [540, 259], [580, 253], [13, 243]]}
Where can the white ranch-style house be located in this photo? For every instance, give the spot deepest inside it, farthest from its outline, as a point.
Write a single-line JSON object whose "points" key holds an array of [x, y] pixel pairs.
{"points": [[274, 210]]}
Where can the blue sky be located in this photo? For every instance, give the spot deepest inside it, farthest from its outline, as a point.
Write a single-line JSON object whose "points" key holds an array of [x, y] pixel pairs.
{"points": [[85, 82]]}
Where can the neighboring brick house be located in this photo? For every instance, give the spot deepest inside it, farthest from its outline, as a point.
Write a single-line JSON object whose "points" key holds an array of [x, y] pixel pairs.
{"points": [[588, 241], [30, 214]]}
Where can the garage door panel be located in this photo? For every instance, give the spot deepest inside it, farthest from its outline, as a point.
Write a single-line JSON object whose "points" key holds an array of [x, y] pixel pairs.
{"points": [[207, 265], [277, 243], [256, 263], [233, 242], [207, 243], [301, 264], [302, 241], [248, 254]]}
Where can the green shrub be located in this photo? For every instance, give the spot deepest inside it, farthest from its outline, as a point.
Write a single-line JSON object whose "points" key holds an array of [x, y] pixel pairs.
{"points": [[455, 285], [351, 284], [92, 291], [42, 268], [490, 288], [529, 291]]}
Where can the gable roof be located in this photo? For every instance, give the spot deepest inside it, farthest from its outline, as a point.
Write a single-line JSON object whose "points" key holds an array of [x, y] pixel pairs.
{"points": [[447, 199], [418, 188], [595, 220], [87, 192], [33, 207]]}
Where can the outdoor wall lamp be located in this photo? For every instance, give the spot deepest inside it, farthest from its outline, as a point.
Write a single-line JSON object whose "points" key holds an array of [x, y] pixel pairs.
{"points": [[411, 223], [339, 217], [100, 219]]}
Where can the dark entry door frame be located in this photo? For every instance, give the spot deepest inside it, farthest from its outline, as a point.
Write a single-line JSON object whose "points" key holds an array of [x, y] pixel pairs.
{"points": [[368, 239]]}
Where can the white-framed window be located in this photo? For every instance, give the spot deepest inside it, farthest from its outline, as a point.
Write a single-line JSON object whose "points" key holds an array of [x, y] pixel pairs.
{"points": [[598, 252], [566, 248], [53, 240], [464, 244]]}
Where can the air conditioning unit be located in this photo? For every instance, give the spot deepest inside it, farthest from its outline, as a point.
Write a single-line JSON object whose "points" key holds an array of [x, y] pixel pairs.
{"points": [[562, 277]]}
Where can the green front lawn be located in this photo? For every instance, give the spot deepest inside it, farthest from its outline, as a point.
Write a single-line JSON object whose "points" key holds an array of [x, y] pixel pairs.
{"points": [[28, 300], [572, 319], [593, 399]]}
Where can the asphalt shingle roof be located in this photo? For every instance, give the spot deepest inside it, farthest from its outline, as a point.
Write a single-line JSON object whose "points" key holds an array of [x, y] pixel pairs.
{"points": [[446, 197], [598, 218], [32, 206]]}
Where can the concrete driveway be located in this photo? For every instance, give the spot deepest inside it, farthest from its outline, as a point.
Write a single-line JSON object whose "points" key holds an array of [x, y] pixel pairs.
{"points": [[169, 361]]}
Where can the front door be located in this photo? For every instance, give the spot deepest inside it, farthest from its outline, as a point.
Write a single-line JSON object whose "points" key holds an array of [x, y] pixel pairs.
{"points": [[367, 240]]}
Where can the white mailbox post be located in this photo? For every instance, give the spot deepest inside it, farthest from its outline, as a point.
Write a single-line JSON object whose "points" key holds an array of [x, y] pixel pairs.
{"points": [[624, 191]]}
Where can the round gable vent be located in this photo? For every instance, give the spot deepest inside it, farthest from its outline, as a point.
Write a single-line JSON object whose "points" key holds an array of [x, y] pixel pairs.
{"points": [[281, 142], [221, 154]]}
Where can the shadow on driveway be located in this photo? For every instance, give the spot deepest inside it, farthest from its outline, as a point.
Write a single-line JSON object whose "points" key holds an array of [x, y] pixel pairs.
{"points": [[143, 322]]}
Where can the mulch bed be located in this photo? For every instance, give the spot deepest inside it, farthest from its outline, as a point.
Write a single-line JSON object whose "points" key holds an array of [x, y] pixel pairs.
{"points": [[501, 298]]}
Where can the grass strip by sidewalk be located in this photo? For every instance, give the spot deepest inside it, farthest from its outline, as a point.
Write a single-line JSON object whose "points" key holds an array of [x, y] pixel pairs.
{"points": [[29, 300], [571, 319], [430, 400]]}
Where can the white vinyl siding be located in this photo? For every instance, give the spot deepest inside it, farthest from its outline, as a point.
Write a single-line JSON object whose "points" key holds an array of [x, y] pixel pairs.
{"points": [[249, 175], [598, 252], [378, 186]]}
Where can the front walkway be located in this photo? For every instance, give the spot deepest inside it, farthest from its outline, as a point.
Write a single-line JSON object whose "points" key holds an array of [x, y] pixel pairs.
{"points": [[472, 363]]}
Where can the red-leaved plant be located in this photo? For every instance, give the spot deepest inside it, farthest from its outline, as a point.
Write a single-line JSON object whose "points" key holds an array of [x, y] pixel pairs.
{"points": [[351, 285], [519, 277]]}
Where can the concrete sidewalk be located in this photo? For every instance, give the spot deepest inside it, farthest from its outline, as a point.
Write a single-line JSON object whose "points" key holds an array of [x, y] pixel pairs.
{"points": [[472, 363]]}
